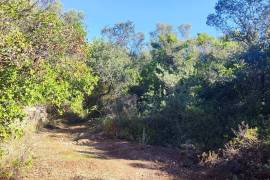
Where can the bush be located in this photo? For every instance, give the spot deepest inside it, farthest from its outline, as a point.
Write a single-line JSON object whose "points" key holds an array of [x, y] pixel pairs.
{"points": [[123, 120], [41, 65], [42, 62], [245, 156], [16, 153]]}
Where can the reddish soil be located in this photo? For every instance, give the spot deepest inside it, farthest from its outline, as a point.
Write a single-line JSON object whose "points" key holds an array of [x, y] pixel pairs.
{"points": [[71, 152]]}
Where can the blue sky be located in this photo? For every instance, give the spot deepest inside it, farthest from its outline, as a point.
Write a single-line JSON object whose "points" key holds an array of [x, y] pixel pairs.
{"points": [[144, 13]]}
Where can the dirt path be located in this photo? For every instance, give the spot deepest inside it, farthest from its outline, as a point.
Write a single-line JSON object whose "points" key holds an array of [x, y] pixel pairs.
{"points": [[71, 153]]}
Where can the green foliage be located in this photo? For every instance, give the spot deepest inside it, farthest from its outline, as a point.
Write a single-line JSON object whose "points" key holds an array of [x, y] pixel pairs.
{"points": [[42, 62], [173, 86], [178, 88], [243, 20], [42, 55], [174, 92], [13, 90], [123, 121], [75, 84], [116, 70], [246, 156]]}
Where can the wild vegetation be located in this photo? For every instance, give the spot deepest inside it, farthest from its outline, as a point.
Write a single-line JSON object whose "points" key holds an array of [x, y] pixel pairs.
{"points": [[172, 90]]}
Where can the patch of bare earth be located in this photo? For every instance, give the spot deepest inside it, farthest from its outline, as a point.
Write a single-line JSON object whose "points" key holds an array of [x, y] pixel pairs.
{"points": [[70, 152]]}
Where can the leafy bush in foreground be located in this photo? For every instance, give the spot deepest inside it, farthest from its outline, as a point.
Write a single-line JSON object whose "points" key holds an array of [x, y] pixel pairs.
{"points": [[42, 60]]}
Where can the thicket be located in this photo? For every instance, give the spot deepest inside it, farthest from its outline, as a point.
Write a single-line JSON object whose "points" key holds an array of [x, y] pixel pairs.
{"points": [[197, 90], [194, 90], [169, 91], [42, 62]]}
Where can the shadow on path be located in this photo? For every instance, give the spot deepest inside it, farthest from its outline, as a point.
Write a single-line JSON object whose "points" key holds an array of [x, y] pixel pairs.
{"points": [[137, 155]]}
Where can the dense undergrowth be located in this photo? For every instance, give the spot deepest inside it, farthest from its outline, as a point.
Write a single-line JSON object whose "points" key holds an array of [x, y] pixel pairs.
{"points": [[42, 61], [169, 91]]}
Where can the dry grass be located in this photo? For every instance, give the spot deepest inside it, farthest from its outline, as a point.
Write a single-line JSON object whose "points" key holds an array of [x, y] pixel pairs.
{"points": [[16, 154]]}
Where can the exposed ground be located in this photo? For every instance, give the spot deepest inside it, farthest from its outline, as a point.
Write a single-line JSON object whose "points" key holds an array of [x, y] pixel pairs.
{"points": [[71, 152]]}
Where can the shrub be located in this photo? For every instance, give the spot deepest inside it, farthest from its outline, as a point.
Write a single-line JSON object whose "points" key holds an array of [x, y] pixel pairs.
{"points": [[16, 153], [41, 64], [123, 120], [245, 156]]}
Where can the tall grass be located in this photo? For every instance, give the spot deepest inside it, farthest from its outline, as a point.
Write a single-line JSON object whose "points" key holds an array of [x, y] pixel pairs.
{"points": [[16, 152]]}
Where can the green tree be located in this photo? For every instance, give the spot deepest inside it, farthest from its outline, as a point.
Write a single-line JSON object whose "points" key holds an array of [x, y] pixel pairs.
{"points": [[115, 69], [243, 20], [42, 60]]}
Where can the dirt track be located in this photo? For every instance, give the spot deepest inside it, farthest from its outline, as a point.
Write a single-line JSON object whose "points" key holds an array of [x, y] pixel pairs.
{"points": [[70, 153]]}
